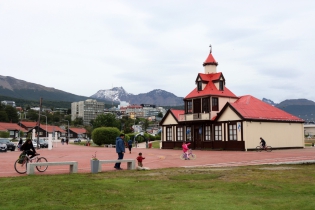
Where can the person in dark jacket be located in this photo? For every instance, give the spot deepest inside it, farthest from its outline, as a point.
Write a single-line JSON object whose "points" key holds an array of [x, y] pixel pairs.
{"points": [[130, 145], [20, 143], [120, 150], [262, 142], [28, 148]]}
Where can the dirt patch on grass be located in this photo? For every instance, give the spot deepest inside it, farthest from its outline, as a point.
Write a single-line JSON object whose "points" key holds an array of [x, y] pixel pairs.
{"points": [[277, 168]]}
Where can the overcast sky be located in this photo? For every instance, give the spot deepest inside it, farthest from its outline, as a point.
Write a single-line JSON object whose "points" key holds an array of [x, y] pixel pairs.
{"points": [[264, 48]]}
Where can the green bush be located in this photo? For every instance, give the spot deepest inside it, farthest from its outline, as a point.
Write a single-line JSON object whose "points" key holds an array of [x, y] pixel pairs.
{"points": [[4, 134], [105, 135]]}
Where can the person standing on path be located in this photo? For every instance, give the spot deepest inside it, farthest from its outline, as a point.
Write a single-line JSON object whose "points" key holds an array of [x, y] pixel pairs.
{"points": [[20, 143], [130, 145], [67, 140], [120, 150]]}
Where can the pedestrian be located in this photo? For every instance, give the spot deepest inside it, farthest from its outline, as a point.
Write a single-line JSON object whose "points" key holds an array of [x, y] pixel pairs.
{"points": [[20, 143], [129, 145], [120, 150], [67, 140], [140, 158], [62, 141]]}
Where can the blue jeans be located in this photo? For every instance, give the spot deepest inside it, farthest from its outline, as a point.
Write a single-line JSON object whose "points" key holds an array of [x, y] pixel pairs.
{"points": [[120, 157]]}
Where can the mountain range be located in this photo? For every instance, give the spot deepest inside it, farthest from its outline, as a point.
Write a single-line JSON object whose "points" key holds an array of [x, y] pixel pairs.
{"points": [[12, 88]]}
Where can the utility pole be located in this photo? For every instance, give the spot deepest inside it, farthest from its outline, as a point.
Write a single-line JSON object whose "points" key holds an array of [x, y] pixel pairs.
{"points": [[38, 124]]}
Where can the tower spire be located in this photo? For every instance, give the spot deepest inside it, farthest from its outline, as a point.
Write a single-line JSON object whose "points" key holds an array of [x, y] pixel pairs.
{"points": [[210, 49]]}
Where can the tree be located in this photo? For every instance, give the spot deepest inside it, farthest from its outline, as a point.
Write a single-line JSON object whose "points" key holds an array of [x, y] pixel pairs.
{"points": [[108, 120], [145, 124], [105, 135], [127, 123], [12, 114], [78, 121], [3, 116], [160, 114]]}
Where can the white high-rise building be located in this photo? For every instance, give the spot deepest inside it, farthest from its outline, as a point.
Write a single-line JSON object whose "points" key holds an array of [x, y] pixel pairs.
{"points": [[87, 110]]}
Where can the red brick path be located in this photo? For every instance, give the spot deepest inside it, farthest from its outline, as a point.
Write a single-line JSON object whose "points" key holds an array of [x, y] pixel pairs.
{"points": [[155, 158]]}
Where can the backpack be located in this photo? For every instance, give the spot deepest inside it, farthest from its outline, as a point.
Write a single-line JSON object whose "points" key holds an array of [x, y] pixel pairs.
{"points": [[21, 157]]}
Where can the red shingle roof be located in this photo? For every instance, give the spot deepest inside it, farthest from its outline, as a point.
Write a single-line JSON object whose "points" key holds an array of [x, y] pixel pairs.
{"points": [[11, 126], [78, 130], [250, 107], [28, 124], [210, 88], [210, 60], [177, 112]]}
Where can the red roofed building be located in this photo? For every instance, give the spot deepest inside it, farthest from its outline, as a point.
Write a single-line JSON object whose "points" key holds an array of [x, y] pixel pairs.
{"points": [[12, 128], [215, 118], [77, 132]]}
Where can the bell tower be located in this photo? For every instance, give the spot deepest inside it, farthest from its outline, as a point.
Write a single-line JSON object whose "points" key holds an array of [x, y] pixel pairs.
{"points": [[210, 64]]}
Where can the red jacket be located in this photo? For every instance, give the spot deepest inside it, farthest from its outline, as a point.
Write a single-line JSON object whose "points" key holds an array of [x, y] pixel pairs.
{"points": [[185, 147], [140, 158]]}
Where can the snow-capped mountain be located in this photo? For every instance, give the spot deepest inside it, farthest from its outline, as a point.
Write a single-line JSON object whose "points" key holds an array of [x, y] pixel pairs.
{"points": [[157, 97]]}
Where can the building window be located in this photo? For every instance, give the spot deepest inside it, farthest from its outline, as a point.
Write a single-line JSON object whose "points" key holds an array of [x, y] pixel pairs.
{"points": [[232, 132], [218, 132], [189, 107], [188, 133], [220, 85], [169, 134], [215, 104], [208, 133], [180, 132], [199, 86], [205, 105]]}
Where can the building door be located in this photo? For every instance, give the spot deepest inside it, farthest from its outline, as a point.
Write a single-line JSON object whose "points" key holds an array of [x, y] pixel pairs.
{"points": [[197, 106], [197, 138]]}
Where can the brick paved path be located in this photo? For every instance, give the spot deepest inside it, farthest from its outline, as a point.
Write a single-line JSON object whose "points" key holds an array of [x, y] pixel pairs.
{"points": [[155, 158]]}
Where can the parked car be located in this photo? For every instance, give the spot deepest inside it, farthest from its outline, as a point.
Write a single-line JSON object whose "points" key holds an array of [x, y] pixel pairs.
{"points": [[43, 143], [3, 146], [35, 143], [77, 140], [10, 146]]}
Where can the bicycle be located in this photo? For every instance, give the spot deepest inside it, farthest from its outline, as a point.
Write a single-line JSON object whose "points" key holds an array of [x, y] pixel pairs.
{"points": [[190, 155], [20, 164], [261, 148]]}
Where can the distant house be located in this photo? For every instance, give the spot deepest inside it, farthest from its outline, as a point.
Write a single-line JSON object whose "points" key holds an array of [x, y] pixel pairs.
{"points": [[12, 128], [45, 130], [27, 125], [77, 132], [9, 103]]}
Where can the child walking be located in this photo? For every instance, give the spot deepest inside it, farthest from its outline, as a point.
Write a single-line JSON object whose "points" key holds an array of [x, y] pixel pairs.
{"points": [[140, 158]]}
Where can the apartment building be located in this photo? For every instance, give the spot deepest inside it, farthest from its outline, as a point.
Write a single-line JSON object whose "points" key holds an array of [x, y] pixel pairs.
{"points": [[87, 110]]}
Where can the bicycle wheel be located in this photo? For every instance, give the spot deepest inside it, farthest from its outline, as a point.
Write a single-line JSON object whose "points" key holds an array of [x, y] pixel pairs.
{"points": [[192, 156], [41, 168], [258, 149], [182, 156], [20, 168], [268, 148]]}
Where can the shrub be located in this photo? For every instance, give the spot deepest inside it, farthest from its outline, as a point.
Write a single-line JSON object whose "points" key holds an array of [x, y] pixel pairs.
{"points": [[105, 135], [4, 134]]}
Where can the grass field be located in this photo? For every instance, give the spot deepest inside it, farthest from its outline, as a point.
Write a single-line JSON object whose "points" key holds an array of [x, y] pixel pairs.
{"points": [[250, 187]]}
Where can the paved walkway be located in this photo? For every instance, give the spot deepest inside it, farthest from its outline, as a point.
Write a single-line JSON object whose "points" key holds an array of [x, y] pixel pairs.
{"points": [[155, 158]]}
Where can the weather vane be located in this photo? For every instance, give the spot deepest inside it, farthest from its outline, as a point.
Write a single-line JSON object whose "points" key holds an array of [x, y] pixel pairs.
{"points": [[210, 48]]}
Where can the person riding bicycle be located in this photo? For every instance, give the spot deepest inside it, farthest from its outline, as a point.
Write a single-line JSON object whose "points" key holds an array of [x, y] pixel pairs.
{"points": [[262, 142], [28, 148], [185, 150]]}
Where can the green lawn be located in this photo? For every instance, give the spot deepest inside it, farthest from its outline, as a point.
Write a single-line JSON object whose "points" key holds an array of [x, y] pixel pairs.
{"points": [[250, 187]]}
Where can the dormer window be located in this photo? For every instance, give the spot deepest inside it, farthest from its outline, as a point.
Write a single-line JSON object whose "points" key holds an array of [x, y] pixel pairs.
{"points": [[221, 87], [199, 86]]}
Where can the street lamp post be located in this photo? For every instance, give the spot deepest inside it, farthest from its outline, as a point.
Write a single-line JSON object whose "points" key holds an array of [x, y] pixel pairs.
{"points": [[68, 129], [46, 125]]}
